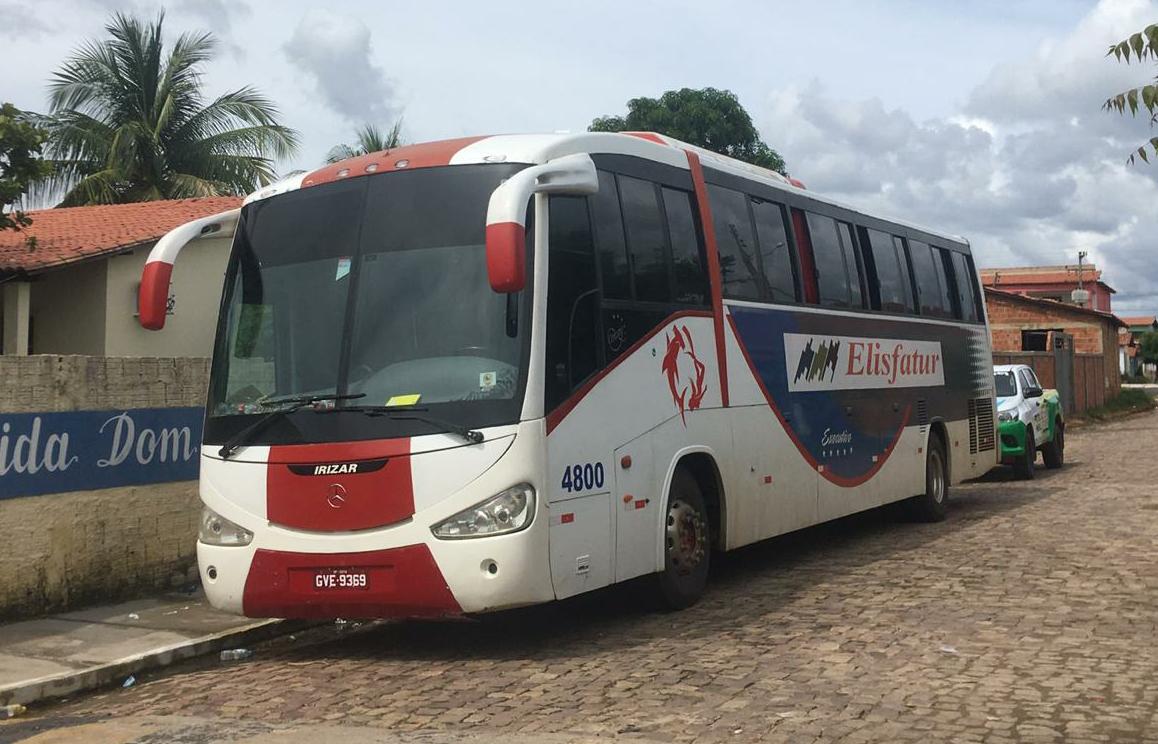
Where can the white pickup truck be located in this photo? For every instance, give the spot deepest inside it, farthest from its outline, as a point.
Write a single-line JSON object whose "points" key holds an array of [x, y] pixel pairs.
{"points": [[1029, 419]]}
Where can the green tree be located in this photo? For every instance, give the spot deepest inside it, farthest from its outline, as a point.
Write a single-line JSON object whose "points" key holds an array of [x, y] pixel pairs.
{"points": [[129, 122], [1148, 347], [20, 164], [370, 139], [1141, 47], [710, 118]]}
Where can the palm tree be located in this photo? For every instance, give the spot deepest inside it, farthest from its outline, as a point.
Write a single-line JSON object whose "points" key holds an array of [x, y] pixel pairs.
{"points": [[370, 139], [129, 123]]}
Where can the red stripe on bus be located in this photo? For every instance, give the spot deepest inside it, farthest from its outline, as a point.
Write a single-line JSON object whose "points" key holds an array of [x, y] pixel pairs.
{"points": [[839, 480], [424, 155], [716, 282], [556, 416], [339, 502], [650, 137], [807, 264], [400, 582]]}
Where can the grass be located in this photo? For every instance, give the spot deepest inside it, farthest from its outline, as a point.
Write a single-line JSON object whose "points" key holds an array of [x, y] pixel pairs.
{"points": [[1127, 402]]}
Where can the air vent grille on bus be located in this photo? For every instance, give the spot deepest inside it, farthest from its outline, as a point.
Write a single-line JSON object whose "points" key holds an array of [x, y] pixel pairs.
{"points": [[922, 413], [981, 435]]}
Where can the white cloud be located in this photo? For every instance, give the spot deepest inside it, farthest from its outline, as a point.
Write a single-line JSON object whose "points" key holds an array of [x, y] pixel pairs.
{"points": [[336, 52], [1030, 169]]}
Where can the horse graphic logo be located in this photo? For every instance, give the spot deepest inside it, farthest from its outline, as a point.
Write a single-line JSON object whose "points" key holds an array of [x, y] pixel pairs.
{"points": [[684, 370], [814, 363]]}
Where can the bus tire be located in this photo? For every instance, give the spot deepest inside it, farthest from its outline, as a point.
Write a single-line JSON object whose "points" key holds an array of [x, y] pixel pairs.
{"points": [[687, 544], [1053, 452], [1024, 466], [931, 505]]}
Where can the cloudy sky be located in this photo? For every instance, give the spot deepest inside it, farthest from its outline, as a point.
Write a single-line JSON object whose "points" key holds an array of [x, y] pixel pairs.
{"points": [[979, 117]]}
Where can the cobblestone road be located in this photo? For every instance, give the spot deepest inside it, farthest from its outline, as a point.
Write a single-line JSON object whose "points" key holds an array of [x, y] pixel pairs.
{"points": [[1028, 615]]}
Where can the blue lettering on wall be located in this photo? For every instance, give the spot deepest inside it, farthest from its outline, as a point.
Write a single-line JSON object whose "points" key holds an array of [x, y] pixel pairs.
{"points": [[83, 450]]}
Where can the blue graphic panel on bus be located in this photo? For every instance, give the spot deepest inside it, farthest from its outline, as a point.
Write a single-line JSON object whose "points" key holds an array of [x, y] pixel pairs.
{"points": [[843, 392], [42, 453]]}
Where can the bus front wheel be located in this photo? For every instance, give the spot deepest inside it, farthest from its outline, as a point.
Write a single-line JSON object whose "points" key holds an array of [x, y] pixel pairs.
{"points": [[687, 544]]}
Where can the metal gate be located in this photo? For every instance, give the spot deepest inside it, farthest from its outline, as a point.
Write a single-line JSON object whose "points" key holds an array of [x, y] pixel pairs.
{"points": [[1063, 370]]}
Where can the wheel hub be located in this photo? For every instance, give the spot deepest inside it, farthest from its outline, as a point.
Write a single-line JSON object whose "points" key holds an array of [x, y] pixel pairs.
{"points": [[686, 536]]}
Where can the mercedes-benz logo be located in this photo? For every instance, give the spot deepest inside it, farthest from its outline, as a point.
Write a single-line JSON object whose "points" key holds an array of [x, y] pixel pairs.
{"points": [[337, 497]]}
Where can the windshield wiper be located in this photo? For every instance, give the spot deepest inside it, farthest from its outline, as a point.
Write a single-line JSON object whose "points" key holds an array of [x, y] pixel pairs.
{"points": [[295, 403], [411, 413]]}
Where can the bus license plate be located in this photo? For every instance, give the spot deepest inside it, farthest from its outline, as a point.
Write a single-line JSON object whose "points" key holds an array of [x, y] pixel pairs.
{"points": [[340, 579]]}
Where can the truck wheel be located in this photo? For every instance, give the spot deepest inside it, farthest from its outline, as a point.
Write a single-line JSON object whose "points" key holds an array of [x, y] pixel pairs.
{"points": [[930, 506], [1024, 465], [1053, 453], [687, 544]]}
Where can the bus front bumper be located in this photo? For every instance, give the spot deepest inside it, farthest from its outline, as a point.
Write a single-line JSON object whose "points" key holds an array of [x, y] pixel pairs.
{"points": [[433, 579]]}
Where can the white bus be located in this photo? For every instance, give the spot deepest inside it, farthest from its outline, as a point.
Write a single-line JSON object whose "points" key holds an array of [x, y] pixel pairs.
{"points": [[482, 373]]}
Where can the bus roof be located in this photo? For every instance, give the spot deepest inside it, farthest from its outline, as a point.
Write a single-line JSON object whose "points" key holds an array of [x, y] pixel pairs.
{"points": [[541, 148]]}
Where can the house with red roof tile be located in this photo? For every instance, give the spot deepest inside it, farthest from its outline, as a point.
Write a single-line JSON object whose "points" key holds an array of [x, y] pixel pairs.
{"points": [[69, 281], [1052, 283], [1129, 361]]}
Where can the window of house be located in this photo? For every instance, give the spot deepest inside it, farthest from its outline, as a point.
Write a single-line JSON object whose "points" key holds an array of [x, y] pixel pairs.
{"points": [[736, 244], [776, 258]]}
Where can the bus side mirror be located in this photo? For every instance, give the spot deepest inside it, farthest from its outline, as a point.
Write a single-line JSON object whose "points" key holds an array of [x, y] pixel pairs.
{"points": [[506, 234], [153, 295]]}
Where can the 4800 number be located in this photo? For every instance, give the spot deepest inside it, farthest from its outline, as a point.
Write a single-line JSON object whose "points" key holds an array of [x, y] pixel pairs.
{"points": [[583, 477]]}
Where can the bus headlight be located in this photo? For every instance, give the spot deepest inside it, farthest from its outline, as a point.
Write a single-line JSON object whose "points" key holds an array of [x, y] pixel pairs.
{"points": [[1003, 416], [217, 530], [509, 511]]}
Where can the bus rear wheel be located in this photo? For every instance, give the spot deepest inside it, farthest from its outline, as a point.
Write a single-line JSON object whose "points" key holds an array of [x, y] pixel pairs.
{"points": [[687, 544], [931, 505]]}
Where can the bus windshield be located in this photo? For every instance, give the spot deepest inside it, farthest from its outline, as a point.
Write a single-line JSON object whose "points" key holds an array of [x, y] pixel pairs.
{"points": [[374, 289]]}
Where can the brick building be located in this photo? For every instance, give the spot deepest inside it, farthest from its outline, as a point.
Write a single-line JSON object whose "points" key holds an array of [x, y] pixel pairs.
{"points": [[69, 281], [1052, 283], [1018, 323]]}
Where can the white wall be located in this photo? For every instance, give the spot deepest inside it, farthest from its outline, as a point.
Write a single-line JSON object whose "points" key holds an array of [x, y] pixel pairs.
{"points": [[197, 282]]}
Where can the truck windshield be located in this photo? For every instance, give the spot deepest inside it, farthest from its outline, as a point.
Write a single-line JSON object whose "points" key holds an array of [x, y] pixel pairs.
{"points": [[1005, 384], [373, 287]]}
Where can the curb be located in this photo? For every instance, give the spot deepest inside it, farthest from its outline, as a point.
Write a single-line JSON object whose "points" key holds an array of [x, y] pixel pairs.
{"points": [[67, 683]]}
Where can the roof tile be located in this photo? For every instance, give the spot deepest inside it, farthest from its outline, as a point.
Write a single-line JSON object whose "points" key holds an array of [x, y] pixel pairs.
{"points": [[64, 236]]}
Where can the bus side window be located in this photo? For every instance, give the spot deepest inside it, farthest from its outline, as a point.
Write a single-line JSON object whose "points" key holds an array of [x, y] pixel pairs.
{"points": [[932, 295], [736, 242], [646, 243], [892, 291], [572, 299], [616, 275], [852, 265], [966, 290], [776, 254], [832, 272], [948, 282], [690, 278]]}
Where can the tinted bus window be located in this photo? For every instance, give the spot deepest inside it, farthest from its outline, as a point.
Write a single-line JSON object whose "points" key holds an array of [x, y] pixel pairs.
{"points": [[948, 286], [892, 272], [735, 240], [609, 231], [572, 336], [645, 239], [931, 291], [851, 264], [832, 275], [966, 289], [691, 281], [775, 251]]}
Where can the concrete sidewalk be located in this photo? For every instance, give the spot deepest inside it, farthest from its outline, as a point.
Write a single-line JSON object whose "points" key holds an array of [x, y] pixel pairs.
{"points": [[62, 654]]}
